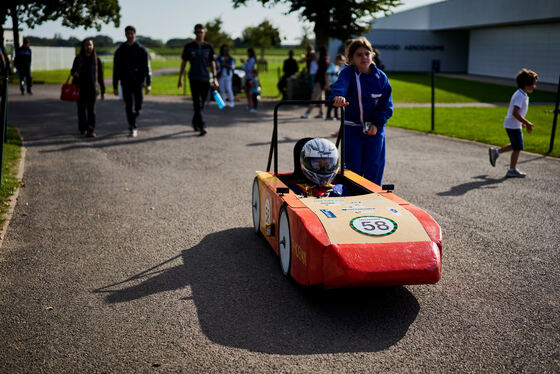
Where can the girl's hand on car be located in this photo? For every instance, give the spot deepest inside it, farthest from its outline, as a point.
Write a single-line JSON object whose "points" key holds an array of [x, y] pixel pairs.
{"points": [[339, 101]]}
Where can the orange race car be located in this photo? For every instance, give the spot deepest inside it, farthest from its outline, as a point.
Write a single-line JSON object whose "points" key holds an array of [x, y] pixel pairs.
{"points": [[369, 237]]}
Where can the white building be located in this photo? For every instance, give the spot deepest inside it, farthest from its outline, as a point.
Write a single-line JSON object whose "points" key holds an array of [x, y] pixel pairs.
{"points": [[484, 37]]}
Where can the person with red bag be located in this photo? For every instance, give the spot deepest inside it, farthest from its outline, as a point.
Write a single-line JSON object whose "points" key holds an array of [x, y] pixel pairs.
{"points": [[87, 73]]}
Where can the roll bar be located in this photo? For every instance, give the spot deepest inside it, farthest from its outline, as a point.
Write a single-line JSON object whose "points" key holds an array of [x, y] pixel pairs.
{"points": [[274, 142]]}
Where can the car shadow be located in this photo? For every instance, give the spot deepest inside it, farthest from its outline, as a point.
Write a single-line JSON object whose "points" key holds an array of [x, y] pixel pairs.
{"points": [[483, 181], [243, 301]]}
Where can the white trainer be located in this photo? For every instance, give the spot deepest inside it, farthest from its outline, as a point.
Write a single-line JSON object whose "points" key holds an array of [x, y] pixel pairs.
{"points": [[493, 155], [515, 173]]}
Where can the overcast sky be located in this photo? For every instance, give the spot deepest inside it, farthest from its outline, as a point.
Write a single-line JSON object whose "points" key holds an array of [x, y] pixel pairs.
{"points": [[176, 19]]}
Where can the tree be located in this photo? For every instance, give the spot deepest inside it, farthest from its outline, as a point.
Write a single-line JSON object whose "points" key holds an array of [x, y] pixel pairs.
{"points": [[262, 36], [215, 35], [101, 41], [239, 43], [305, 40], [177, 42], [56, 41], [339, 19], [148, 42], [86, 13]]}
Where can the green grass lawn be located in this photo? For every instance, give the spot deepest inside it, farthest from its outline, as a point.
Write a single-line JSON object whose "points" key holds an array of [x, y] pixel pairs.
{"points": [[50, 77], [407, 87], [483, 125], [416, 88], [167, 84], [12, 154]]}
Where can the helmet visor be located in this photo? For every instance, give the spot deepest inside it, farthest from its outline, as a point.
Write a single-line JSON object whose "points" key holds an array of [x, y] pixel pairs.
{"points": [[322, 165]]}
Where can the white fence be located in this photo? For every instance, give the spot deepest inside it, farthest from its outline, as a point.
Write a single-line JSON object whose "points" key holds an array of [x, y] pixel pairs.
{"points": [[52, 58]]}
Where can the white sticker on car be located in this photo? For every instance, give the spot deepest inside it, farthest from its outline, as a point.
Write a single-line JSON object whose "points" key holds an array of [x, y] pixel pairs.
{"points": [[374, 225]]}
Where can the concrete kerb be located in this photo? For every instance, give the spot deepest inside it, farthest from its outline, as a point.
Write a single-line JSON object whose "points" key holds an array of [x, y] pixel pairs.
{"points": [[13, 199]]}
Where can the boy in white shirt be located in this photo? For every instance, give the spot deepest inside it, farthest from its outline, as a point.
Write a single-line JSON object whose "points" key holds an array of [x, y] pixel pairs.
{"points": [[515, 121]]}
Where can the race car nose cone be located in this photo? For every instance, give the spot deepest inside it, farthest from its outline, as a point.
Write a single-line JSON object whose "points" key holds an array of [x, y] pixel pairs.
{"points": [[355, 265]]}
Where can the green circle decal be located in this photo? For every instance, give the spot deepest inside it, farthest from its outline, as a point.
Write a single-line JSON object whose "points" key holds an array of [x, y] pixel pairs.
{"points": [[374, 225]]}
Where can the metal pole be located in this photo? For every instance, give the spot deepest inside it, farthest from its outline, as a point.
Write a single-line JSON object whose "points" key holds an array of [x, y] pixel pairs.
{"points": [[342, 130], [433, 98], [555, 118], [4, 120]]}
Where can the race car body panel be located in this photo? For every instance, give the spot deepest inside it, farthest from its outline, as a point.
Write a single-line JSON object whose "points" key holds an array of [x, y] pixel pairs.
{"points": [[372, 239]]}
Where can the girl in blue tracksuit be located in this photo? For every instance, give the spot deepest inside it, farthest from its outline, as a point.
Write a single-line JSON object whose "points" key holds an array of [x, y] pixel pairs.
{"points": [[365, 91]]}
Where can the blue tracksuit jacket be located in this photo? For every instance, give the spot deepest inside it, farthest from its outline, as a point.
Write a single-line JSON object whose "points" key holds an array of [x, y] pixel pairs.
{"points": [[370, 100]]}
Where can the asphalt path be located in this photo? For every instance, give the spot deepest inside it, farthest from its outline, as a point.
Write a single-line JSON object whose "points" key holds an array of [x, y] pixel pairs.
{"points": [[129, 255]]}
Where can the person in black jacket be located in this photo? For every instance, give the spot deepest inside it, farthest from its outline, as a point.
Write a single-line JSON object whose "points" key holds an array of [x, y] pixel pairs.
{"points": [[22, 63], [87, 71], [131, 67], [289, 68]]}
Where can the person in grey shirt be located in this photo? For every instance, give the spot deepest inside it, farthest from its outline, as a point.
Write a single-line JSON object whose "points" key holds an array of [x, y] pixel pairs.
{"points": [[200, 54]]}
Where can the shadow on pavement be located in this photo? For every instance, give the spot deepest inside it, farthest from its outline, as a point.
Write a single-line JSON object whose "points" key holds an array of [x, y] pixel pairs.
{"points": [[243, 301], [482, 182], [536, 158], [286, 139], [58, 124]]}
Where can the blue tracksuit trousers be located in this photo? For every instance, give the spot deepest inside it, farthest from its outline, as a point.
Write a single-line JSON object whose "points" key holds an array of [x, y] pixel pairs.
{"points": [[365, 154]]}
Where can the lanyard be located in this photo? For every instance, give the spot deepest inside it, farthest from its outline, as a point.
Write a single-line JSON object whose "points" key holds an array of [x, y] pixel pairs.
{"points": [[359, 88]]}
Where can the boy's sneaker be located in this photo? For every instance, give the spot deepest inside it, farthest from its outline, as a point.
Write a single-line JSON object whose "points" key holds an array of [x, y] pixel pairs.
{"points": [[133, 133], [252, 110], [318, 116], [304, 115], [493, 154], [515, 173]]}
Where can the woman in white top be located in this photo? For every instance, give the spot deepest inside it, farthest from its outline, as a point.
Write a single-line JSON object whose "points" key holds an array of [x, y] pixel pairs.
{"points": [[226, 64]]}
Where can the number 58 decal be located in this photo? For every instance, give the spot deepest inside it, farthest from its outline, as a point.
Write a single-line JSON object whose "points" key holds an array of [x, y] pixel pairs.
{"points": [[373, 225]]}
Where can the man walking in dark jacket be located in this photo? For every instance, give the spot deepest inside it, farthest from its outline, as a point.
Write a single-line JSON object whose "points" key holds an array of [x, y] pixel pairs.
{"points": [[23, 66], [131, 67]]}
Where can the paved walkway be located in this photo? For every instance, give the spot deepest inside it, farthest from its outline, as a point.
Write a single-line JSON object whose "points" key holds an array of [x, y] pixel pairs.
{"points": [[130, 255]]}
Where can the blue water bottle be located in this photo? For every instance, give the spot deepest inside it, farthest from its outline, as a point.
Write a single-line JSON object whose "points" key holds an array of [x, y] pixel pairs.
{"points": [[218, 99]]}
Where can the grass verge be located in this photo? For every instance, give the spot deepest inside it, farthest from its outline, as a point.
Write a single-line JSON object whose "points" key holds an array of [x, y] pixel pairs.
{"points": [[12, 154], [417, 88], [484, 125]]}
